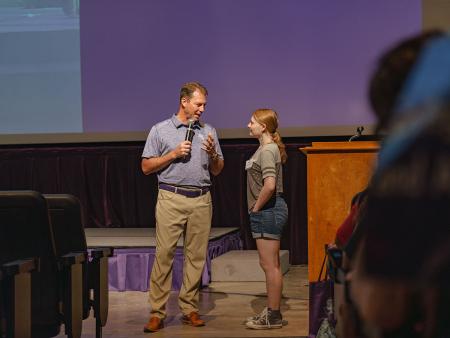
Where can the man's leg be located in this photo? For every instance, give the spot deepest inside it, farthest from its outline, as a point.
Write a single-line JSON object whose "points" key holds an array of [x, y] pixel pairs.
{"points": [[195, 249], [170, 224]]}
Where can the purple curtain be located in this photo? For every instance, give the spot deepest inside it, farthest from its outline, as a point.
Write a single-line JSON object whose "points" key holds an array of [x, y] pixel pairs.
{"points": [[130, 268], [114, 193]]}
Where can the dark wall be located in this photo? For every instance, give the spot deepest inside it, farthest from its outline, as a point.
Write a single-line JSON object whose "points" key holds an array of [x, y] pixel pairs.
{"points": [[114, 193]]}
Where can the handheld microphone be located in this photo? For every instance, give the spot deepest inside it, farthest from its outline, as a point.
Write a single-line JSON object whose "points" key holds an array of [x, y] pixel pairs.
{"points": [[190, 131], [358, 134]]}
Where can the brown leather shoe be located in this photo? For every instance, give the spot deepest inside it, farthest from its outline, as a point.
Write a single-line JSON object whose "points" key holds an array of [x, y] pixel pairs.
{"points": [[193, 319], [154, 324]]}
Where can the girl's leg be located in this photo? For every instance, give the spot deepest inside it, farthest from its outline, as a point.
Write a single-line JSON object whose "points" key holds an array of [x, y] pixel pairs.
{"points": [[269, 259]]}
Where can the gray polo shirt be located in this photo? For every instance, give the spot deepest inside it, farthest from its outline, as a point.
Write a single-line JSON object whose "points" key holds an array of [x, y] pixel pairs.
{"points": [[192, 170]]}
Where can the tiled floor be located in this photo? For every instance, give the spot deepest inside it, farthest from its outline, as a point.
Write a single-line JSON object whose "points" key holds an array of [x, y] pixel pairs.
{"points": [[223, 305]]}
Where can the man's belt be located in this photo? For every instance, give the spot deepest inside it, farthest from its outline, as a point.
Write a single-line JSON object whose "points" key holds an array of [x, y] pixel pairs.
{"points": [[188, 192]]}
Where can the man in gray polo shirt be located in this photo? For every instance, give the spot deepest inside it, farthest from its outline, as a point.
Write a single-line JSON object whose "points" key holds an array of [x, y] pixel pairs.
{"points": [[184, 202]]}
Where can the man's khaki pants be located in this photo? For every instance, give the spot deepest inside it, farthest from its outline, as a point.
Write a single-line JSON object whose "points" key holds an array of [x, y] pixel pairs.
{"points": [[175, 215]]}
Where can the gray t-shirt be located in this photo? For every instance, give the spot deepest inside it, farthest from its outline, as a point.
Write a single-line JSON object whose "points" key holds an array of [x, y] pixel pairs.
{"points": [[265, 162], [193, 170]]}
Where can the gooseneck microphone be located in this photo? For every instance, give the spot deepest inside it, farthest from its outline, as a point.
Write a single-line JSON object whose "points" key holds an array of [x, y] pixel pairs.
{"points": [[190, 131], [358, 134]]}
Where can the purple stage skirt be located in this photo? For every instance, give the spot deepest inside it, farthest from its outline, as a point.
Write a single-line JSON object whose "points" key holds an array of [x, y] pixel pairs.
{"points": [[129, 269]]}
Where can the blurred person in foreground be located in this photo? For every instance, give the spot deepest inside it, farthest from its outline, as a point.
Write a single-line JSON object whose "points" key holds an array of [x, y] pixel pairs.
{"points": [[407, 215]]}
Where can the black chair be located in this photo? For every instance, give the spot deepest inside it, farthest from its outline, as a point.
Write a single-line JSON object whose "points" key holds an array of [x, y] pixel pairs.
{"points": [[56, 285], [65, 214], [15, 298]]}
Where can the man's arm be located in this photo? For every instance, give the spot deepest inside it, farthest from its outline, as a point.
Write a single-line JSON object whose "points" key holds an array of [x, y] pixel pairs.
{"points": [[215, 164], [154, 164]]}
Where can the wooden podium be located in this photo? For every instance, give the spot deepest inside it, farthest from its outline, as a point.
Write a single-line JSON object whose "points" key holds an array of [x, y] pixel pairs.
{"points": [[336, 171]]}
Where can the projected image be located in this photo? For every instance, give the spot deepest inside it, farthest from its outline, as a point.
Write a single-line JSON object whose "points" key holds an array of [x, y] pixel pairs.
{"points": [[69, 7], [309, 60], [40, 67], [114, 67]]}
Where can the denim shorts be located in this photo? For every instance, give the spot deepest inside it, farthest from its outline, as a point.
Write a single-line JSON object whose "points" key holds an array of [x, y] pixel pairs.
{"points": [[269, 223]]}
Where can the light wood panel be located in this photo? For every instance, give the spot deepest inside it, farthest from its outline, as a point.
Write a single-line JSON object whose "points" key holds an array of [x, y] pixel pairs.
{"points": [[336, 171], [436, 14]]}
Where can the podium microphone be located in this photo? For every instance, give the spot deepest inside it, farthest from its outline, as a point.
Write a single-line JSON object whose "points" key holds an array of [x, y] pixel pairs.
{"points": [[358, 134], [190, 131]]}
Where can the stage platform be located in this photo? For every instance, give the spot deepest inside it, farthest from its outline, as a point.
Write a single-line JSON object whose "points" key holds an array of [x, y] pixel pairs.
{"points": [[136, 237], [134, 252]]}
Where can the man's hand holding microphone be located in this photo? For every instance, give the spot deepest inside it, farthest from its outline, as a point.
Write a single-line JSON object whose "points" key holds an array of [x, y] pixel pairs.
{"points": [[184, 148]]}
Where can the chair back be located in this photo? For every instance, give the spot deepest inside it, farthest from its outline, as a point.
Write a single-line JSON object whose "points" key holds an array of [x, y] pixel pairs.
{"points": [[25, 232], [65, 214]]}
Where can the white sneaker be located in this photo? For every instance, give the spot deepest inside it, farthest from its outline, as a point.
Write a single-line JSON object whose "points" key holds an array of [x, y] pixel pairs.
{"points": [[264, 322], [257, 316]]}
